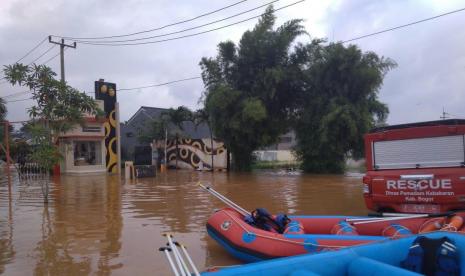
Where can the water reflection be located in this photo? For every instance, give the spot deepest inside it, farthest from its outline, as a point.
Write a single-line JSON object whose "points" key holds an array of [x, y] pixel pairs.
{"points": [[98, 224]]}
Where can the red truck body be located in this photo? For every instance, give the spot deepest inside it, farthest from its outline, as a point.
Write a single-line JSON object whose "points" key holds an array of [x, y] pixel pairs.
{"points": [[416, 168]]}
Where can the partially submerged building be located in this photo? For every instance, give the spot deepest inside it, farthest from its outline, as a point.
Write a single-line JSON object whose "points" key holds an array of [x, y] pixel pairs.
{"points": [[83, 148], [281, 151], [194, 149]]}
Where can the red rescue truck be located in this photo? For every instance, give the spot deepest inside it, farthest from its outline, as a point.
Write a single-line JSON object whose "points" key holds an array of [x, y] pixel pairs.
{"points": [[416, 168]]}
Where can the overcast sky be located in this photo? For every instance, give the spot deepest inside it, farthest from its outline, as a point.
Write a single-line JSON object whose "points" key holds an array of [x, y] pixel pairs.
{"points": [[430, 56]]}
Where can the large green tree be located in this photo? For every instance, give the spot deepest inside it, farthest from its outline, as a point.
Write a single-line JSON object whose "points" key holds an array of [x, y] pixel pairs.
{"points": [[249, 88], [338, 103]]}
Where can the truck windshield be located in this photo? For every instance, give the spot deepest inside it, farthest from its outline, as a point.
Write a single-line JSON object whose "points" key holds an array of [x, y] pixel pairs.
{"points": [[445, 151]]}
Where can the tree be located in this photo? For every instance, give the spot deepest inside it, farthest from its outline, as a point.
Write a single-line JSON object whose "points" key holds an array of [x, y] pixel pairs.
{"points": [[339, 103], [176, 117], [3, 110], [249, 88], [201, 116], [59, 107], [168, 126], [156, 129]]}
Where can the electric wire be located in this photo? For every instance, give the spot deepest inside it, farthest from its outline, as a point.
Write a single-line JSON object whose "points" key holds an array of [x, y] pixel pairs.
{"points": [[53, 57], [43, 54], [13, 95], [190, 35], [176, 32], [356, 38], [158, 28], [403, 26], [32, 50], [123, 89], [25, 92], [20, 100], [28, 53], [160, 84]]}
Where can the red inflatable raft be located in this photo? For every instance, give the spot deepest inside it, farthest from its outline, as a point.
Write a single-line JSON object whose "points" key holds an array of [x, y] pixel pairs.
{"points": [[311, 234]]}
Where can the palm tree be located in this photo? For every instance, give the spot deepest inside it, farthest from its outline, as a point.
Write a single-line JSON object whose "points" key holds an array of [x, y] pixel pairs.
{"points": [[202, 116], [177, 117]]}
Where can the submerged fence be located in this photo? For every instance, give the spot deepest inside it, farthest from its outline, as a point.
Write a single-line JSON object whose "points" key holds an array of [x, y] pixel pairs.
{"points": [[30, 170]]}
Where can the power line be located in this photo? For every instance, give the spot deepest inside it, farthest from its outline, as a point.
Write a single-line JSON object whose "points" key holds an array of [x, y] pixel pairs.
{"points": [[32, 50], [15, 94], [186, 79], [176, 32], [50, 59], [47, 61], [43, 54], [21, 100], [123, 89], [160, 84], [158, 28], [190, 35], [28, 53], [403, 26]]}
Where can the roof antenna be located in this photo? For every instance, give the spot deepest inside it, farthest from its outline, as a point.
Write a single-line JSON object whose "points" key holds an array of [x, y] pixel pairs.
{"points": [[444, 114]]}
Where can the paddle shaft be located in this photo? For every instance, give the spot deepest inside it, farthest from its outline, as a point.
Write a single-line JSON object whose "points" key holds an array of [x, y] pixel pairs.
{"points": [[392, 218], [225, 200]]}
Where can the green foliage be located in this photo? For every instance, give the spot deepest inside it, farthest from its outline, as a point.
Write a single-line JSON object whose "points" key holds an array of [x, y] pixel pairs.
{"points": [[153, 130], [59, 107], [249, 88], [177, 116], [170, 123], [339, 104], [3, 110], [57, 103]]}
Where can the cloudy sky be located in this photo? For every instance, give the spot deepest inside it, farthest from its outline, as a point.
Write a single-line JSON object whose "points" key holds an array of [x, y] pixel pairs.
{"points": [[430, 56]]}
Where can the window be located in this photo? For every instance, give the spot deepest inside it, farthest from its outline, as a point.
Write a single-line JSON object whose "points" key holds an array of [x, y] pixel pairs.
{"points": [[87, 153], [91, 129], [445, 151], [129, 134], [285, 139]]}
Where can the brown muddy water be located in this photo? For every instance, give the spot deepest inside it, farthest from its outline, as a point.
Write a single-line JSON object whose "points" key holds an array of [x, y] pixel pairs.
{"points": [[99, 225]]}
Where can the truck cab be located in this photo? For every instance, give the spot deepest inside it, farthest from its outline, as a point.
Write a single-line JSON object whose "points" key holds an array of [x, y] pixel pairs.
{"points": [[416, 168]]}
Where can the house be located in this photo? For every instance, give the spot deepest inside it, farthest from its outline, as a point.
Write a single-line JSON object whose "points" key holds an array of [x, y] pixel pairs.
{"points": [[83, 147], [282, 151], [194, 150]]}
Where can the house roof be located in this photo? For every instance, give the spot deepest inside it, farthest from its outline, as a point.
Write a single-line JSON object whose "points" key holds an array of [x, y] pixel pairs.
{"points": [[420, 124], [147, 113]]}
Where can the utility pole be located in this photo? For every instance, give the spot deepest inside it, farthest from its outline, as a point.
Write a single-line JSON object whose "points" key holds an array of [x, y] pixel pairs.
{"points": [[62, 54]]}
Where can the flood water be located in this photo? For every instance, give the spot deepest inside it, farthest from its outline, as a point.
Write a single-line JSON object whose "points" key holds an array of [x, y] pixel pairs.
{"points": [[99, 225]]}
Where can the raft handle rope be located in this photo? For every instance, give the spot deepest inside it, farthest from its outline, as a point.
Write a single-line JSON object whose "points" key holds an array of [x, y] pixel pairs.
{"points": [[343, 228], [179, 266], [226, 200], [397, 233], [426, 222]]}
